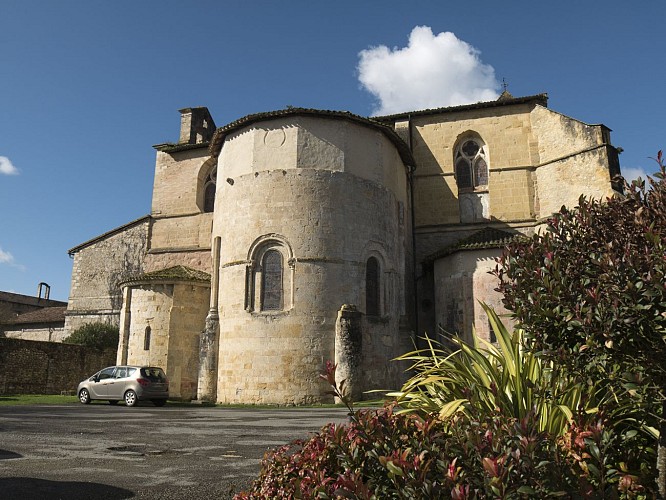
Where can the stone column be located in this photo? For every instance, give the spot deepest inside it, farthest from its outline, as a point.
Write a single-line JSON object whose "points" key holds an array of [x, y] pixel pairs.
{"points": [[349, 351], [209, 340], [125, 324]]}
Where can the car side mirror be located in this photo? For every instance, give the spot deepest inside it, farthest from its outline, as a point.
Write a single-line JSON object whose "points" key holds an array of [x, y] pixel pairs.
{"points": [[96, 378]]}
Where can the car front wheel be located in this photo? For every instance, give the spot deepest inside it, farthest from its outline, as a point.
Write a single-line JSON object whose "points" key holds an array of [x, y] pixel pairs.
{"points": [[130, 398], [84, 396]]}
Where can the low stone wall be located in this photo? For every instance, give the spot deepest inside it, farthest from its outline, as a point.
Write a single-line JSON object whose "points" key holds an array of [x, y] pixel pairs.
{"points": [[33, 367]]}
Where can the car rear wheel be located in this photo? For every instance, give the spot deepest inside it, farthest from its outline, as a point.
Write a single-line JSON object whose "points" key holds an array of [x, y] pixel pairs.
{"points": [[130, 398], [159, 402], [84, 396]]}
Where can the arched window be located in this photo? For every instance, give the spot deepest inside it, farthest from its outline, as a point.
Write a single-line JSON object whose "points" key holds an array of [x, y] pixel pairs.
{"points": [[269, 275], [471, 164], [272, 288], [209, 191], [471, 172], [372, 287], [146, 339]]}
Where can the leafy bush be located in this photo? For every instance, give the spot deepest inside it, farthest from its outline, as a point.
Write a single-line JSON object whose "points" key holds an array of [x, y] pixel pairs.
{"points": [[99, 335], [589, 292], [385, 454]]}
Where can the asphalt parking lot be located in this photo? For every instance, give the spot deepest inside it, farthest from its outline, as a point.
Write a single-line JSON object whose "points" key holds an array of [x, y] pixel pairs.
{"points": [[100, 451]]}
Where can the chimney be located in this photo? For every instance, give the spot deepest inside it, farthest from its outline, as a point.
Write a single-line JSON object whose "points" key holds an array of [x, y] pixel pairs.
{"points": [[47, 290], [196, 125]]}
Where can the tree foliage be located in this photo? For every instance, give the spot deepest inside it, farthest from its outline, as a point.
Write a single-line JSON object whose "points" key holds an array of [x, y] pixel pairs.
{"points": [[590, 293], [590, 290], [98, 335]]}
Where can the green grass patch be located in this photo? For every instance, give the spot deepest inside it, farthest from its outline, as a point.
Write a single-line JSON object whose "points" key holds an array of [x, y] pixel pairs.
{"points": [[36, 399]]}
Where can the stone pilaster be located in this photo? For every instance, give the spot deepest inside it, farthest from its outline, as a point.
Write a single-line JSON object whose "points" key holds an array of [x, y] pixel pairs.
{"points": [[349, 351]]}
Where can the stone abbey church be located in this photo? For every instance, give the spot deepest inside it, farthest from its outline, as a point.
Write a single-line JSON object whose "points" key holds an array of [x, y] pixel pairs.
{"points": [[288, 238]]}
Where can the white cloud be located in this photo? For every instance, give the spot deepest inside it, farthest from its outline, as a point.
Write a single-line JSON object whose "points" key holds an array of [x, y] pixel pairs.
{"points": [[7, 168], [7, 258], [431, 72], [631, 173]]}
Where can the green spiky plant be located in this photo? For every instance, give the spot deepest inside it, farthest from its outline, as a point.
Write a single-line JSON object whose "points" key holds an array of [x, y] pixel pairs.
{"points": [[507, 378]]}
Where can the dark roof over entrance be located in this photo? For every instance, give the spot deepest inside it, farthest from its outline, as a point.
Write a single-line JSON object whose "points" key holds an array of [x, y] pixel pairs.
{"points": [[170, 274], [488, 237]]}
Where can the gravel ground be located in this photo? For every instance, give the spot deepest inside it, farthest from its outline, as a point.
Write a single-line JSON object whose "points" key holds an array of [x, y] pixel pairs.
{"points": [[100, 451]]}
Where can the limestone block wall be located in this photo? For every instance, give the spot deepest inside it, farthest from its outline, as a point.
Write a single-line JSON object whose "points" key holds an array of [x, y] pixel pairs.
{"points": [[176, 185], [188, 317], [196, 259], [191, 232], [380, 347], [310, 142], [30, 367], [512, 195], [174, 315], [508, 134], [326, 208], [461, 280], [98, 268], [179, 223], [573, 161], [43, 333], [150, 307], [333, 222]]}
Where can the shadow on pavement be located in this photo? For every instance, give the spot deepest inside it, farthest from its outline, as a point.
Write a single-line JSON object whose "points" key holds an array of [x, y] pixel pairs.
{"points": [[6, 454], [15, 488]]}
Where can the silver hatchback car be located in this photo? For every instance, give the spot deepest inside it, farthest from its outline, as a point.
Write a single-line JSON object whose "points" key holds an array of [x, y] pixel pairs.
{"points": [[126, 383]]}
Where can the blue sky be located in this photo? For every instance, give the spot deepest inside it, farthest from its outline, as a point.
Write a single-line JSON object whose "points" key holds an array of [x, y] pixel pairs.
{"points": [[87, 87]]}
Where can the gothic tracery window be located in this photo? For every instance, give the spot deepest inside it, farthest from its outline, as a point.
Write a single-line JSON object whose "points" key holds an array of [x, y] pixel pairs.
{"points": [[471, 165], [471, 174]]}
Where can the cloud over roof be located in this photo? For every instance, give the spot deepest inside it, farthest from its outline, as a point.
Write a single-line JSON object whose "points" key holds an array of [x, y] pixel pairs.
{"points": [[432, 71]]}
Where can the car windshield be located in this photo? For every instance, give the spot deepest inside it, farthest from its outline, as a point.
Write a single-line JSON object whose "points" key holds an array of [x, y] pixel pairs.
{"points": [[153, 374]]}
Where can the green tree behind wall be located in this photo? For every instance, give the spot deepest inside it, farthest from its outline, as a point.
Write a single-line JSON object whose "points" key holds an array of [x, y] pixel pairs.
{"points": [[98, 335]]}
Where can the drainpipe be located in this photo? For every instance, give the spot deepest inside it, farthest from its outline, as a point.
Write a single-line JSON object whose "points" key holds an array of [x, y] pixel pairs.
{"points": [[413, 219]]}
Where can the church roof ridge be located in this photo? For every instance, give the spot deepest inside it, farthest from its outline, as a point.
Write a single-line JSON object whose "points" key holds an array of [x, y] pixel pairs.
{"points": [[51, 314], [118, 229], [503, 100]]}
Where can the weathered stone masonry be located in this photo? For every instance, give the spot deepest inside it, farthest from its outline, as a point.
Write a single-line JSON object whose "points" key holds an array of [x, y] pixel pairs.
{"points": [[285, 239]]}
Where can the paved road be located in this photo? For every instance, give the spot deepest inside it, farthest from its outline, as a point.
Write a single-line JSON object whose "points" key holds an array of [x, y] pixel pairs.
{"points": [[101, 451]]}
